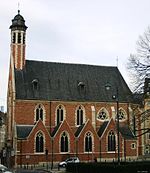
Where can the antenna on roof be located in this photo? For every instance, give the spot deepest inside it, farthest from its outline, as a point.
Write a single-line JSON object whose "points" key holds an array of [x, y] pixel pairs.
{"points": [[18, 7], [117, 61]]}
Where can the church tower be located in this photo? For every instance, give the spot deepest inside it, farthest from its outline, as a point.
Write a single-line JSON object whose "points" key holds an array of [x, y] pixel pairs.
{"points": [[18, 38]]}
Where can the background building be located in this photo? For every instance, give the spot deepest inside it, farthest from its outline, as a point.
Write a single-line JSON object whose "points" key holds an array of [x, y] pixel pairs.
{"points": [[145, 118], [3, 124]]}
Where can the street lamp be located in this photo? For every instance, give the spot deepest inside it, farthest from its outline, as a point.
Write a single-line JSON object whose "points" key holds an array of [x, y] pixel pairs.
{"points": [[116, 97]]}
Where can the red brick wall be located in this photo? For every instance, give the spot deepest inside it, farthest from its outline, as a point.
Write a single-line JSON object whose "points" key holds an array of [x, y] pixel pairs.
{"points": [[24, 114]]}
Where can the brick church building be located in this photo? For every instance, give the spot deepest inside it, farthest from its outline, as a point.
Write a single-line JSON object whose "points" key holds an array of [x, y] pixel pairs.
{"points": [[58, 110]]}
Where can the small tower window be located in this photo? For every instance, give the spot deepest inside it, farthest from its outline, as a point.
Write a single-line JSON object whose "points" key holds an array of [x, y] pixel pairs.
{"points": [[19, 37], [24, 38], [14, 38]]}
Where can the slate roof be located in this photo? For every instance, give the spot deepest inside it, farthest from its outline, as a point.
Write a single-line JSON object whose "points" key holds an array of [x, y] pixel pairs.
{"points": [[23, 131], [102, 128], [138, 98], [62, 81], [126, 132], [79, 129], [55, 129]]}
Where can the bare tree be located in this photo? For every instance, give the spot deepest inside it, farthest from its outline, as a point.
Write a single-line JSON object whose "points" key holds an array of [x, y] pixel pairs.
{"points": [[139, 63]]}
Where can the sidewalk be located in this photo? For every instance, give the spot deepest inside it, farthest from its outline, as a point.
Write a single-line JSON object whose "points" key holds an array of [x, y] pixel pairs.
{"points": [[39, 171], [56, 171]]}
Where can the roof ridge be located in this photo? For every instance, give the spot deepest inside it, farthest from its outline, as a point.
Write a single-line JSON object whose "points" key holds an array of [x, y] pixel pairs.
{"points": [[66, 63]]}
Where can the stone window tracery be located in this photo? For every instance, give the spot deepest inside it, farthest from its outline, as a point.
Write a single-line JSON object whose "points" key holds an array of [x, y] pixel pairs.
{"points": [[39, 113], [60, 114], [64, 142], [39, 143], [88, 142], [122, 114], [111, 141], [102, 114], [80, 115]]}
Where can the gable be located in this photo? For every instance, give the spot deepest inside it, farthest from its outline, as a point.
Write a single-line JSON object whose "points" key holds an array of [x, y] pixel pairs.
{"points": [[85, 128], [63, 126], [107, 126], [39, 126], [69, 82]]}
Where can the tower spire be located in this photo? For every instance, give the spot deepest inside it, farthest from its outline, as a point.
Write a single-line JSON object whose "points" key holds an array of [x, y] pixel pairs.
{"points": [[18, 34]]}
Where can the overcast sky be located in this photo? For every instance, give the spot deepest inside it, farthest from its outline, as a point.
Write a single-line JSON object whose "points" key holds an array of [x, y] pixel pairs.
{"points": [[75, 31]]}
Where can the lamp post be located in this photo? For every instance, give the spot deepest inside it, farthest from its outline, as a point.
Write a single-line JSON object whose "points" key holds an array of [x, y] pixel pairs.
{"points": [[76, 144], [116, 97]]}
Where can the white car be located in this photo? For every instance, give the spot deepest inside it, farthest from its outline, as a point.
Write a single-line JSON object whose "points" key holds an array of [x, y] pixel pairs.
{"points": [[4, 169], [69, 160]]}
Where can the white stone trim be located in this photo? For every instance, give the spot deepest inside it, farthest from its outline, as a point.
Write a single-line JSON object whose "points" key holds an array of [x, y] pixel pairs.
{"points": [[44, 141], [68, 142], [44, 112], [84, 114], [64, 112], [107, 114]]}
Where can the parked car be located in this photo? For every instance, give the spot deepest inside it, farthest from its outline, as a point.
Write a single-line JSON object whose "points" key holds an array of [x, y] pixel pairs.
{"points": [[4, 169], [69, 160]]}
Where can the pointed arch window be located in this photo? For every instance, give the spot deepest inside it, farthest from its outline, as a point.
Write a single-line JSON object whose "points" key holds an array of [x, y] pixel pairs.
{"points": [[111, 141], [60, 114], [39, 142], [39, 112], [88, 142], [80, 116], [64, 142]]}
